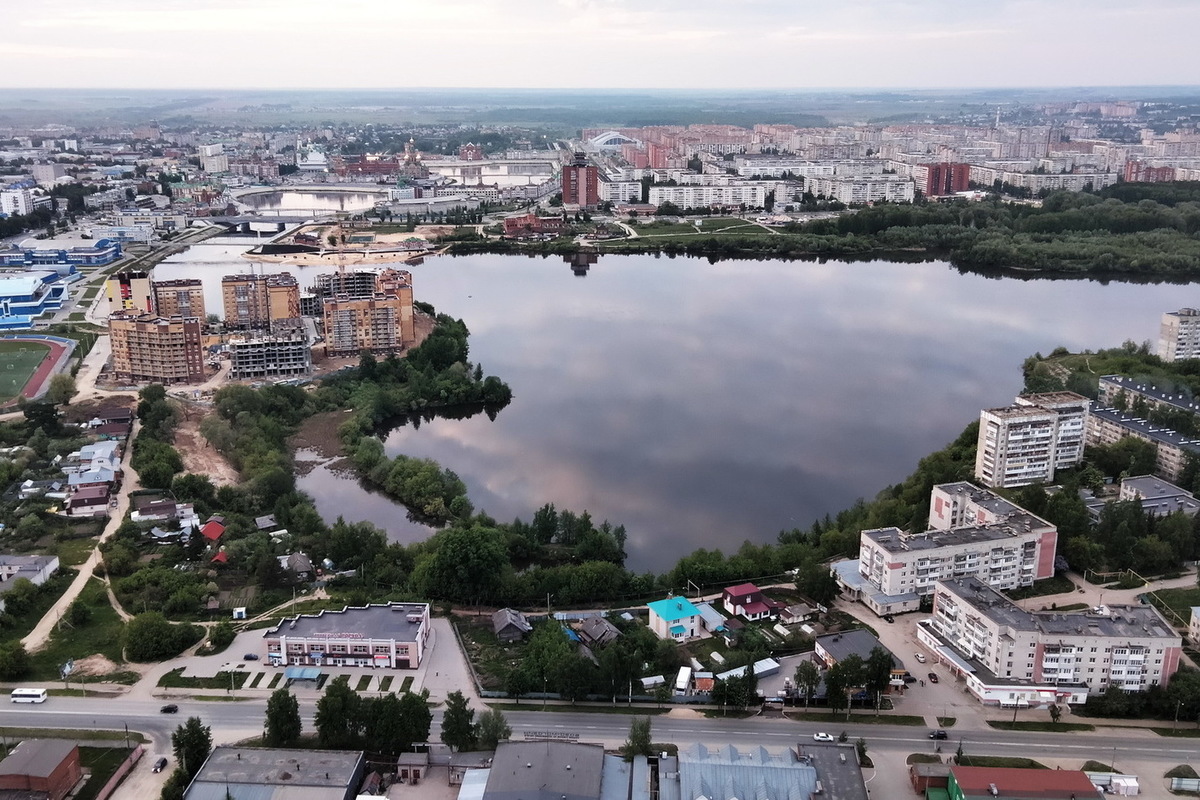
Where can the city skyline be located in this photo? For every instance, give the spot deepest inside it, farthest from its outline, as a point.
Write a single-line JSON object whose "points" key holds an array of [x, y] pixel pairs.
{"points": [[587, 44]]}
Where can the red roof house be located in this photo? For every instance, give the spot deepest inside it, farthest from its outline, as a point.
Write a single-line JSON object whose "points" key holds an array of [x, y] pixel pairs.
{"points": [[1014, 783], [219, 558], [212, 530], [747, 600]]}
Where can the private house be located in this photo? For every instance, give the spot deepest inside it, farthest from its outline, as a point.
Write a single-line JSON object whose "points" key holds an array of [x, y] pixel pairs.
{"points": [[674, 618], [298, 564], [747, 600], [31, 488], [510, 625], [212, 530], [793, 615], [597, 631], [89, 501], [36, 569], [107, 415], [102, 476], [711, 620]]}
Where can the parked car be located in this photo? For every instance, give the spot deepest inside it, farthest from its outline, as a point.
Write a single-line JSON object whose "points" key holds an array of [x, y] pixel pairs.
{"points": [[888, 618], [938, 734], [933, 678], [160, 764], [170, 708], [822, 737], [920, 657], [250, 657]]}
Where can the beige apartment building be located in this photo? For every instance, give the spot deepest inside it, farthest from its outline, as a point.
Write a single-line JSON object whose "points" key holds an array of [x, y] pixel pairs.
{"points": [[148, 348], [1012, 657], [1030, 440], [129, 291], [1179, 335], [255, 301], [179, 298], [381, 323], [1107, 425], [973, 532]]}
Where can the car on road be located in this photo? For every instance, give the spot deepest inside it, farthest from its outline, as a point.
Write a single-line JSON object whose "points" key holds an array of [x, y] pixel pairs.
{"points": [[920, 657], [160, 764], [933, 678], [888, 618], [170, 708], [250, 657], [822, 737], [938, 734]]}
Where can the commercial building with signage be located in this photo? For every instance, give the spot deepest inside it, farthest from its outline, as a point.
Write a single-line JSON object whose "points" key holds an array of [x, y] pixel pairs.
{"points": [[382, 635]]}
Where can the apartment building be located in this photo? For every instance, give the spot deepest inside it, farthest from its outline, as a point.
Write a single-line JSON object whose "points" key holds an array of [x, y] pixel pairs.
{"points": [[1179, 335], [148, 348], [1156, 496], [1011, 657], [1119, 391], [751, 195], [857, 191], [129, 291], [380, 323], [284, 352], [255, 301], [581, 183], [1028, 441], [972, 532], [1108, 425], [183, 297]]}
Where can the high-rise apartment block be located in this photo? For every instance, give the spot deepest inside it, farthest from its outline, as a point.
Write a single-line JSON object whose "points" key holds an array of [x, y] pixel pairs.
{"points": [[179, 298], [1011, 657], [946, 178], [129, 291], [255, 301], [380, 323], [1028, 441], [972, 532], [581, 183], [1179, 335], [148, 348]]}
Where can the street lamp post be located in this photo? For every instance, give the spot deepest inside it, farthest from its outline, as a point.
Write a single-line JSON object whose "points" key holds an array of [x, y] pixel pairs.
{"points": [[1175, 724]]}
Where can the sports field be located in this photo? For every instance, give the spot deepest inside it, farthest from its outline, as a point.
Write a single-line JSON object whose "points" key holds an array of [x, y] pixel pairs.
{"points": [[19, 359]]}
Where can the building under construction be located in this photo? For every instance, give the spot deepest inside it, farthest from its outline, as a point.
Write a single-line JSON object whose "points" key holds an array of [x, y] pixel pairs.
{"points": [[378, 321], [283, 352]]}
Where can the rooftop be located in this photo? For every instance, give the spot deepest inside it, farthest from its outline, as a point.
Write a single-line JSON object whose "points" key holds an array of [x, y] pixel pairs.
{"points": [[1148, 430], [545, 770], [726, 773], [1014, 783], [673, 608], [375, 621], [249, 773], [39, 757]]}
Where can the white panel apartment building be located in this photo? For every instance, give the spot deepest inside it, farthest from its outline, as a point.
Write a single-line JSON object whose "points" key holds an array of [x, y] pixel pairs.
{"points": [[876, 189], [753, 195], [1179, 335], [1012, 657], [1028, 441], [972, 532]]}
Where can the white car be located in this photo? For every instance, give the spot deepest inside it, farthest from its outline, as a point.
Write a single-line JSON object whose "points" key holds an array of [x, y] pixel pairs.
{"points": [[822, 737], [920, 657]]}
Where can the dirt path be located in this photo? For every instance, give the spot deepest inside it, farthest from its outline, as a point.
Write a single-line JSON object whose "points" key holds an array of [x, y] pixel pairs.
{"points": [[199, 456]]}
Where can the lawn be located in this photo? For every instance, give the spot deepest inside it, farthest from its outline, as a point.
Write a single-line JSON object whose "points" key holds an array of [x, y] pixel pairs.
{"points": [[923, 758], [18, 361], [275, 680], [363, 682], [222, 680], [1178, 600], [947, 722], [73, 552], [862, 717], [48, 593], [1097, 766], [1048, 727], [16, 734], [386, 683], [1059, 584], [257, 679], [100, 635], [1000, 761]]}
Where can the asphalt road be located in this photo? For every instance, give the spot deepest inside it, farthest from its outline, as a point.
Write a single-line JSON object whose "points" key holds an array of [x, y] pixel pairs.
{"points": [[233, 720]]}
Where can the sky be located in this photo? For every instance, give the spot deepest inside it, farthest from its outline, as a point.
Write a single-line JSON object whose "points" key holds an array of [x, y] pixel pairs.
{"points": [[691, 44]]}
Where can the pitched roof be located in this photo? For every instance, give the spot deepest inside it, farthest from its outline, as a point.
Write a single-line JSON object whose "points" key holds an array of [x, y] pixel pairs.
{"points": [[508, 616], [219, 558], [673, 608], [741, 590], [212, 530]]}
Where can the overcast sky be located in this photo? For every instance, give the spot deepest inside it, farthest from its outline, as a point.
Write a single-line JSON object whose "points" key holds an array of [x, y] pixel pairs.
{"points": [[598, 43]]}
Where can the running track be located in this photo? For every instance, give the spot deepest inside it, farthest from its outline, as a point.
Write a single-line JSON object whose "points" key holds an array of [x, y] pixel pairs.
{"points": [[53, 363]]}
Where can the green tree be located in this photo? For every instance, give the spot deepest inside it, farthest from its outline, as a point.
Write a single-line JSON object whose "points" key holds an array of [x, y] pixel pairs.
{"points": [[22, 592], [877, 672], [517, 684], [283, 719], [808, 677], [61, 390], [149, 637], [1055, 713], [418, 719], [14, 661], [639, 741], [491, 729], [458, 728], [191, 743], [221, 635], [339, 715], [816, 582]]}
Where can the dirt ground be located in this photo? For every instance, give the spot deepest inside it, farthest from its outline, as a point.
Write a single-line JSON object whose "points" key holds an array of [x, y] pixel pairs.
{"points": [[199, 457]]}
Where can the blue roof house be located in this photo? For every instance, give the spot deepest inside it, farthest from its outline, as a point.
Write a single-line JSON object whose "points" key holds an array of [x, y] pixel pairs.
{"points": [[674, 618]]}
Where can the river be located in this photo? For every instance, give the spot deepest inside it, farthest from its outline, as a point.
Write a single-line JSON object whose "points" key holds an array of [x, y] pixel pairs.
{"points": [[701, 404]]}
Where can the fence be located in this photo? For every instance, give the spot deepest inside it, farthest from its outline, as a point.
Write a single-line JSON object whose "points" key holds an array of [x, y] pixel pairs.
{"points": [[1185, 784], [121, 772]]}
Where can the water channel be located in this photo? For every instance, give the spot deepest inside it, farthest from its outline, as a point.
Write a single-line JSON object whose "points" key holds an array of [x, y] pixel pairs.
{"points": [[701, 404]]}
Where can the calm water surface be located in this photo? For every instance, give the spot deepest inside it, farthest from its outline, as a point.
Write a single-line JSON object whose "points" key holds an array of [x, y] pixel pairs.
{"points": [[702, 405], [299, 201]]}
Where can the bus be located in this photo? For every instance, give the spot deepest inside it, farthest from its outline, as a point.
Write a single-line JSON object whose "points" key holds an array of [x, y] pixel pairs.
{"points": [[682, 681], [28, 695]]}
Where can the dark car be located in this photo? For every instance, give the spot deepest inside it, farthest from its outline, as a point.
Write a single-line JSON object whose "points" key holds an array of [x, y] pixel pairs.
{"points": [[160, 764], [938, 734], [170, 708], [250, 657], [888, 618], [933, 678]]}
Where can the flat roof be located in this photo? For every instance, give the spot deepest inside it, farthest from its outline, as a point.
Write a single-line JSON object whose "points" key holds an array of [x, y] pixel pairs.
{"points": [[249, 773], [545, 770], [1015, 782], [375, 621], [1143, 428]]}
